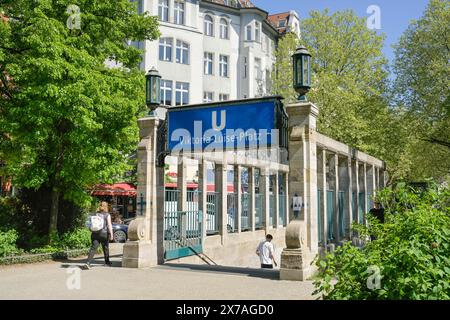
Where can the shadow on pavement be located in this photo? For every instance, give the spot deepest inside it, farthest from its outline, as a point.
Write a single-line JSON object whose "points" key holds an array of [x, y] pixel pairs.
{"points": [[96, 262], [273, 274]]}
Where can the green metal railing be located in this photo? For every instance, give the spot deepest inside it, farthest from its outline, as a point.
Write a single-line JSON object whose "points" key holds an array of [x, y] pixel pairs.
{"points": [[272, 209], [319, 216], [212, 213], [245, 217], [283, 209], [232, 212], [259, 217], [341, 218], [330, 214], [361, 207]]}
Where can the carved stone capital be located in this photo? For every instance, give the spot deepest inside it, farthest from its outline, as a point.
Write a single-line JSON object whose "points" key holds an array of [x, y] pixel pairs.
{"points": [[136, 229]]}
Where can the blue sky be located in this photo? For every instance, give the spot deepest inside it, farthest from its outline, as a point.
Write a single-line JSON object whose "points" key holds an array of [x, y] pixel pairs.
{"points": [[395, 14]]}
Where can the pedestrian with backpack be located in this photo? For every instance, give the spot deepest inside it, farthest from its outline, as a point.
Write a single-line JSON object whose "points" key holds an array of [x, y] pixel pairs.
{"points": [[101, 228]]}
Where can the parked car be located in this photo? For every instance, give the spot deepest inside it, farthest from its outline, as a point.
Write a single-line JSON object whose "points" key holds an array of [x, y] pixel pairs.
{"points": [[120, 231]]}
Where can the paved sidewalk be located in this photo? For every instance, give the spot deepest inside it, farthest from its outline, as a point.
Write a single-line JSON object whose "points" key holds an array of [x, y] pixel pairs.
{"points": [[172, 281]]}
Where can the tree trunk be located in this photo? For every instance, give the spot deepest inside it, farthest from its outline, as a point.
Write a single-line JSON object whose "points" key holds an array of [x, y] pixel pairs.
{"points": [[56, 193], [53, 230]]}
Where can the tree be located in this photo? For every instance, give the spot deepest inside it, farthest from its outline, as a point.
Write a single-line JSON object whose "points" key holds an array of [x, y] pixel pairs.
{"points": [[282, 71], [422, 67], [70, 118], [350, 75]]}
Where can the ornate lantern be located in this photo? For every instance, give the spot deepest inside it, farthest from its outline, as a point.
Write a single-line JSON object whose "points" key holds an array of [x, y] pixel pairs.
{"points": [[302, 72], [153, 89]]}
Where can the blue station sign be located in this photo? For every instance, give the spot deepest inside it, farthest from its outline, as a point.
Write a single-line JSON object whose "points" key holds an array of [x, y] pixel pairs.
{"points": [[232, 125]]}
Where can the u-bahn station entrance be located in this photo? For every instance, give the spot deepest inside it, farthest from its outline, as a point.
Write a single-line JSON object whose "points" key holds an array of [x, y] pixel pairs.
{"points": [[262, 168]]}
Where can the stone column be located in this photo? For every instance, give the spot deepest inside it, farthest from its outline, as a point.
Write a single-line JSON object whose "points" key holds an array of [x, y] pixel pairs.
{"points": [[336, 198], [222, 184], [357, 190], [144, 248], [374, 183], [302, 234], [203, 190], [286, 198], [238, 192], [251, 205], [365, 204], [348, 217], [265, 188]]}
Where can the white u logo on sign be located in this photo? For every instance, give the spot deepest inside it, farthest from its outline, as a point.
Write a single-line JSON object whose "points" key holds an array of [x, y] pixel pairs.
{"points": [[223, 120]]}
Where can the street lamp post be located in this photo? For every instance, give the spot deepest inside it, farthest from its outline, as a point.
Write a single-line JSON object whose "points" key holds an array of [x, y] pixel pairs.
{"points": [[153, 90], [302, 72]]}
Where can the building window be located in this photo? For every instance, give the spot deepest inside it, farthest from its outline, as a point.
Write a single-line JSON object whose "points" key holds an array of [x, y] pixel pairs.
{"points": [[224, 97], [209, 29], [257, 32], [182, 53], [166, 92], [268, 45], [165, 49], [224, 29], [182, 93], [245, 67], [208, 63], [282, 23], [258, 70], [208, 97], [179, 12], [163, 10], [223, 66], [268, 82], [248, 34]]}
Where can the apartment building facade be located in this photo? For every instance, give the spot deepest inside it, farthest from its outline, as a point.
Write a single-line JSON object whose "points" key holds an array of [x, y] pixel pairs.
{"points": [[213, 50]]}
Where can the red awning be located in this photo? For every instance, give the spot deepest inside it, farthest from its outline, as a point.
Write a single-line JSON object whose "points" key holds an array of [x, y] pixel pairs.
{"points": [[117, 189]]}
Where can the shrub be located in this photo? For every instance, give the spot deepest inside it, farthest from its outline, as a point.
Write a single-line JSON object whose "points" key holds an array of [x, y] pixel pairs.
{"points": [[410, 256], [78, 239], [8, 243]]}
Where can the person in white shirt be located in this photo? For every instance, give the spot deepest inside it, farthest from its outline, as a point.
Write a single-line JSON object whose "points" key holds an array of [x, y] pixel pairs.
{"points": [[265, 251]]}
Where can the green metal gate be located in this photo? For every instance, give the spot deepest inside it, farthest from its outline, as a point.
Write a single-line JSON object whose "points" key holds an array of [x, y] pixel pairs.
{"points": [[182, 234], [182, 229]]}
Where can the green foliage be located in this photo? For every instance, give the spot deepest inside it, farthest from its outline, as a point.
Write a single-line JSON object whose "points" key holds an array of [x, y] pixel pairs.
{"points": [[411, 250], [350, 86], [68, 121], [282, 71], [421, 87], [78, 239], [8, 243]]}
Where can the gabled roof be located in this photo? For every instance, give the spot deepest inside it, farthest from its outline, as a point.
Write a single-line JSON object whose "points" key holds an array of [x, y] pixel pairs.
{"points": [[274, 20]]}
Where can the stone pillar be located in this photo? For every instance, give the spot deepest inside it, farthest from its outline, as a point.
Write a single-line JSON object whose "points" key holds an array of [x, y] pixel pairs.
{"points": [[203, 190], [302, 234], [374, 183], [349, 199], [357, 190], [286, 198], [251, 205], [265, 188], [222, 184], [336, 198], [145, 248], [365, 204], [238, 192]]}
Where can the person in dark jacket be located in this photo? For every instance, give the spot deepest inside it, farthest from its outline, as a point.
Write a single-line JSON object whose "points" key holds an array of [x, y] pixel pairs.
{"points": [[101, 237], [378, 212]]}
